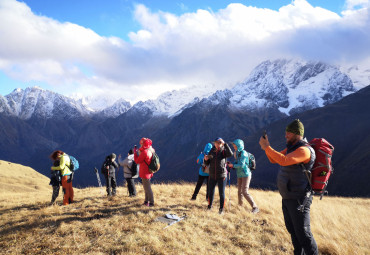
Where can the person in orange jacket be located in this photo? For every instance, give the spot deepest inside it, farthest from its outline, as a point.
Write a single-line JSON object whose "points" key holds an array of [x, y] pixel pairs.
{"points": [[294, 186]]}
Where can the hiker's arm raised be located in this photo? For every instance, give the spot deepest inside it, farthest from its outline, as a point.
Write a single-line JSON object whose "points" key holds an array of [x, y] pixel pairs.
{"points": [[300, 155]]}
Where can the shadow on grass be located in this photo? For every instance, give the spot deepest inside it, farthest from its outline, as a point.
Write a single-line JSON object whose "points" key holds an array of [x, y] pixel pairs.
{"points": [[100, 208]]}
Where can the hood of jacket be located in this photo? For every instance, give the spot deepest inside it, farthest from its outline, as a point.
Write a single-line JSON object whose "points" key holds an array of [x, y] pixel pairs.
{"points": [[147, 143], [207, 148], [239, 144]]}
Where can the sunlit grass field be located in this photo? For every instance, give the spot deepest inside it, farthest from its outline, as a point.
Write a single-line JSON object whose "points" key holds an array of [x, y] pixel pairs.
{"points": [[95, 224]]}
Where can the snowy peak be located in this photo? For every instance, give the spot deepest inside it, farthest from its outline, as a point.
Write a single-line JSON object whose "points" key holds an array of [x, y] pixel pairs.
{"points": [[36, 102], [174, 102], [291, 86], [118, 108]]}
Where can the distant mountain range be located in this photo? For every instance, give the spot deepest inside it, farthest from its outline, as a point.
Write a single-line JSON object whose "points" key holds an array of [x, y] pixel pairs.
{"points": [[34, 121]]}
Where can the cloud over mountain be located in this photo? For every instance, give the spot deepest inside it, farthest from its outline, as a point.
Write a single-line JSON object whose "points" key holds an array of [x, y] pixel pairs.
{"points": [[173, 52]]}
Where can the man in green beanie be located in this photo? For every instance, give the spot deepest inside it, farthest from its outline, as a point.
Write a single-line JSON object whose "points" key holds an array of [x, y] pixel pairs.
{"points": [[293, 185]]}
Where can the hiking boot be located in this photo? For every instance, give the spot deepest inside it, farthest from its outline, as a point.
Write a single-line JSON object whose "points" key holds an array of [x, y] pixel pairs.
{"points": [[209, 207], [151, 204], [255, 210], [193, 198], [221, 211], [146, 203]]}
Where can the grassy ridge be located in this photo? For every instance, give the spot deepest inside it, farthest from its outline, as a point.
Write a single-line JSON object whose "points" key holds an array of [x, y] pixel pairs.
{"points": [[122, 225]]}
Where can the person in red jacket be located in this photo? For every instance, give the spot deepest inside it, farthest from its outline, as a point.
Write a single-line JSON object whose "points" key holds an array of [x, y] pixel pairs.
{"points": [[143, 157]]}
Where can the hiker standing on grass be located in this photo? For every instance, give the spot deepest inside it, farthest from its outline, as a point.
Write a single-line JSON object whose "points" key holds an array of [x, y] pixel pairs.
{"points": [[202, 175], [55, 182], [294, 186], [130, 172], [143, 157], [217, 171], [109, 171], [64, 167], [241, 165]]}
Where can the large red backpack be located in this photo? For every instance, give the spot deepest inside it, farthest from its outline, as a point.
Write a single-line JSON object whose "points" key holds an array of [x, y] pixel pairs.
{"points": [[322, 168]]}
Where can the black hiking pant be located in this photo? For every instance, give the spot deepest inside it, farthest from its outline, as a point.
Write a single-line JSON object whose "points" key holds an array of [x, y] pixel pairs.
{"points": [[56, 190], [221, 182], [298, 226], [199, 185], [131, 186], [111, 183]]}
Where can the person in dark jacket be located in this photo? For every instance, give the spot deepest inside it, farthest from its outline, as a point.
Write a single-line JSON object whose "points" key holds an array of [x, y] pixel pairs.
{"points": [[216, 158], [294, 186], [109, 171], [55, 182]]}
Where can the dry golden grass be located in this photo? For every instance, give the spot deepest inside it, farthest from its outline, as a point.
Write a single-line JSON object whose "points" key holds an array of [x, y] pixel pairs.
{"points": [[96, 225]]}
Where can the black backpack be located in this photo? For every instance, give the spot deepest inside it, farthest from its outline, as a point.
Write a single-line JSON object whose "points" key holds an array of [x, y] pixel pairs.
{"points": [[252, 161], [133, 168]]}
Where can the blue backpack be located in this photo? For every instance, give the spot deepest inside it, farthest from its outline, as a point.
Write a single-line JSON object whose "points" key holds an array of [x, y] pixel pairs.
{"points": [[74, 166]]}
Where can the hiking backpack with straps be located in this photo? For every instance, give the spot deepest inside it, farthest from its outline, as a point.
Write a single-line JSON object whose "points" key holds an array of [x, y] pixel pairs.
{"points": [[322, 168], [133, 168], [74, 165], [154, 164], [252, 160]]}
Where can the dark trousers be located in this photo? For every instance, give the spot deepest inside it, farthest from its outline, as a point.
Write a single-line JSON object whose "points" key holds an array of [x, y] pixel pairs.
{"points": [[56, 190], [221, 182], [298, 225], [110, 181], [199, 185], [131, 186]]}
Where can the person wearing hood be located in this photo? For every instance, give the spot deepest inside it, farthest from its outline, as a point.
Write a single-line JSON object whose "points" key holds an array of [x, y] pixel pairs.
{"points": [[243, 173], [202, 175], [216, 158], [130, 172], [142, 157], [109, 170]]}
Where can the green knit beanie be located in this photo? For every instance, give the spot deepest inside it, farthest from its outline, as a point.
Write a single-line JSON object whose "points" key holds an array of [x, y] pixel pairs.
{"points": [[296, 127]]}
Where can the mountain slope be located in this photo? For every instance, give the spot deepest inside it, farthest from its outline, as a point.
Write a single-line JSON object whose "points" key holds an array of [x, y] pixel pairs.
{"points": [[345, 124], [291, 86], [36, 102], [18, 179]]}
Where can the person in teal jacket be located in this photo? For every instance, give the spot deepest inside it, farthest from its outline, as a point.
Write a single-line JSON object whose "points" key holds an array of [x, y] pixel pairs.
{"points": [[202, 175], [241, 165]]}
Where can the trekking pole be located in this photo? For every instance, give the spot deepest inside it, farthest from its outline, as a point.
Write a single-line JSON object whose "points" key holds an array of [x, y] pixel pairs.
{"points": [[229, 189], [97, 176]]}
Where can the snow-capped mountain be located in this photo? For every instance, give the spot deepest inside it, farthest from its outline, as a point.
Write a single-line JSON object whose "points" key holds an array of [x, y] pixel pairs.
{"points": [[36, 102], [119, 107], [360, 76], [288, 85], [172, 103]]}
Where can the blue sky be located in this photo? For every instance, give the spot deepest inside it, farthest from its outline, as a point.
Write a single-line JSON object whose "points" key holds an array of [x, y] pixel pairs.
{"points": [[128, 48]]}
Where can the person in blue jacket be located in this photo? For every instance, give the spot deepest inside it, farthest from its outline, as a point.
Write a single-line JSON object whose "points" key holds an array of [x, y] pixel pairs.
{"points": [[202, 175], [241, 165]]}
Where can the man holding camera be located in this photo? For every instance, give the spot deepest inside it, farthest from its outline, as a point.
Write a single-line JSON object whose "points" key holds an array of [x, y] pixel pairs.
{"points": [[294, 186], [217, 171]]}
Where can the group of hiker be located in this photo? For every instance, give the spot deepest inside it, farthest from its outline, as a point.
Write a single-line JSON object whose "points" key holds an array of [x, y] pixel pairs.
{"points": [[214, 167]]}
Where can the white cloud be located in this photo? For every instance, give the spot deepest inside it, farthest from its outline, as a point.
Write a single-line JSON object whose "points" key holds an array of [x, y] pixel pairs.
{"points": [[171, 51]]}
